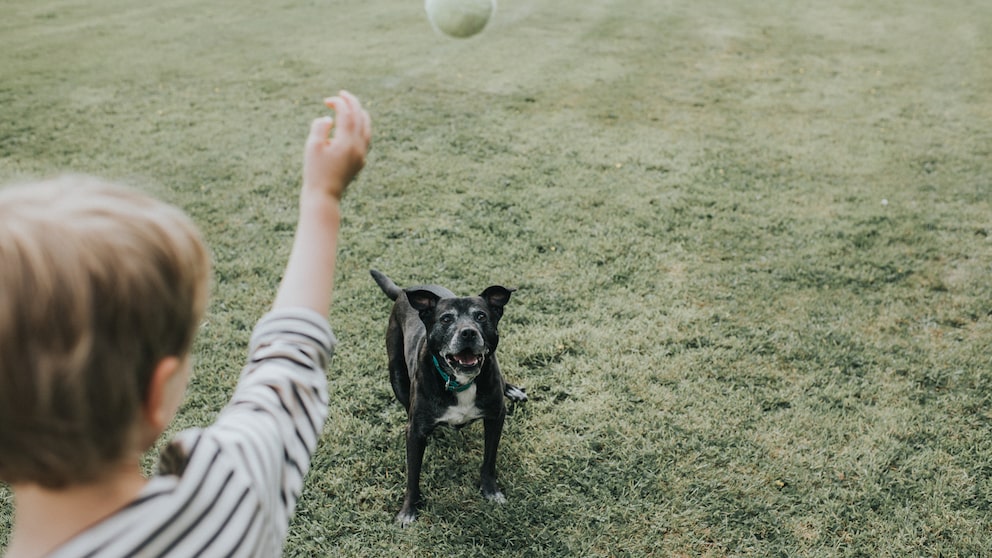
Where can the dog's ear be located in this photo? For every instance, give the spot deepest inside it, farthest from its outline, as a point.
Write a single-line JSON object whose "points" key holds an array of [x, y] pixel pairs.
{"points": [[497, 297], [423, 301]]}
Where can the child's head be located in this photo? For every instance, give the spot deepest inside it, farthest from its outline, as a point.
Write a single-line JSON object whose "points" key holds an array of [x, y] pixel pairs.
{"points": [[98, 284]]}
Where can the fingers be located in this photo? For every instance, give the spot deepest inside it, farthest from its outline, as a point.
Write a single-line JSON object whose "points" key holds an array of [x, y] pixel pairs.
{"points": [[366, 127], [363, 126], [320, 129], [344, 107], [351, 117]]}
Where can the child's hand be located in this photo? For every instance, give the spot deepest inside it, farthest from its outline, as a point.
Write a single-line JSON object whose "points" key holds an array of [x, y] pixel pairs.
{"points": [[330, 163]]}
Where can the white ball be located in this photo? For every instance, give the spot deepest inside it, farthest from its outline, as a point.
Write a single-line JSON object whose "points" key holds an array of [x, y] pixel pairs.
{"points": [[459, 18]]}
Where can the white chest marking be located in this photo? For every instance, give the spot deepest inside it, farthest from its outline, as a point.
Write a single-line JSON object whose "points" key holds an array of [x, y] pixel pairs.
{"points": [[465, 411]]}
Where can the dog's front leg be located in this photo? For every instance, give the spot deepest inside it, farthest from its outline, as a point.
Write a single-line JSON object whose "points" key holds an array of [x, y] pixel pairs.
{"points": [[416, 443], [494, 430]]}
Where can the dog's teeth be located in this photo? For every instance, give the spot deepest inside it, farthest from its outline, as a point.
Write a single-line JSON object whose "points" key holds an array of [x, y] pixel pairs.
{"points": [[464, 359]]}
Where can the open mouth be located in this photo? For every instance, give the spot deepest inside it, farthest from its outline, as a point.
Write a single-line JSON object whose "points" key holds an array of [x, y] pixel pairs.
{"points": [[465, 360]]}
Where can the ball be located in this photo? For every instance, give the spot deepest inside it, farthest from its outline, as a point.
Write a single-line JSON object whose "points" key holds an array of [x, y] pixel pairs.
{"points": [[459, 18]]}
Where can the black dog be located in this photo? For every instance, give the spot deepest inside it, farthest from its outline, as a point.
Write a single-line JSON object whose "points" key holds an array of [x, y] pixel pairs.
{"points": [[443, 369]]}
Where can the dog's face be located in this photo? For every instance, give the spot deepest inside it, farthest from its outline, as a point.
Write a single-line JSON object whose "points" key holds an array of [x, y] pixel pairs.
{"points": [[462, 331]]}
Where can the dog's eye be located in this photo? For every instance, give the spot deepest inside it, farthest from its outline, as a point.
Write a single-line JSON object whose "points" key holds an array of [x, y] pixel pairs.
{"points": [[447, 319], [480, 316]]}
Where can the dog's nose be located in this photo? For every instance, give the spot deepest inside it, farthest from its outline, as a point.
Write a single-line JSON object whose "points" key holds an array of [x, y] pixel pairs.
{"points": [[468, 334]]}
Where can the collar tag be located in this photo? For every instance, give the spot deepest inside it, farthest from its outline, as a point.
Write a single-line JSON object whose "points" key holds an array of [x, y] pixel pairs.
{"points": [[450, 383]]}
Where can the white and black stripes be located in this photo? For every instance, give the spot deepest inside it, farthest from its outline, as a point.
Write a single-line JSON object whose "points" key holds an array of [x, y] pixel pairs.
{"points": [[241, 477]]}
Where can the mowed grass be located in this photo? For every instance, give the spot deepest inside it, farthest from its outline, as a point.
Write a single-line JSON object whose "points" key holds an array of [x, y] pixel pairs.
{"points": [[752, 246]]}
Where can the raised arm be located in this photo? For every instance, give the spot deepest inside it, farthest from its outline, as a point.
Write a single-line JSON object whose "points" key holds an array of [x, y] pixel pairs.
{"points": [[330, 163]]}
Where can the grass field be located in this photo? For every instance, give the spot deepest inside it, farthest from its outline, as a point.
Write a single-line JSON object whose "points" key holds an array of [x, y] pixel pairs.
{"points": [[752, 243]]}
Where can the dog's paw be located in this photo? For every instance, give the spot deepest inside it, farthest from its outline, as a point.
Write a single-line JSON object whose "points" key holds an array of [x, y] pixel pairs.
{"points": [[405, 518], [515, 393], [496, 497]]}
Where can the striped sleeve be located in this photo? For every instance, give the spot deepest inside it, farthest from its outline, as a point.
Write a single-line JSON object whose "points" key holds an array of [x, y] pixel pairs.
{"points": [[230, 489], [279, 407]]}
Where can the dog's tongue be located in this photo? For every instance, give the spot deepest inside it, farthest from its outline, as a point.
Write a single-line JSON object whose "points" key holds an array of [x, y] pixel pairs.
{"points": [[466, 358]]}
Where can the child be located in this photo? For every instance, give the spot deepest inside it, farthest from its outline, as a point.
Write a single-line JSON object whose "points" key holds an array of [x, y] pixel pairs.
{"points": [[101, 292]]}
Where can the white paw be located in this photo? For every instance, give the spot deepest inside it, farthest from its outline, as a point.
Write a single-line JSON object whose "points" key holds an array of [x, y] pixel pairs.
{"points": [[513, 393], [496, 497], [405, 519]]}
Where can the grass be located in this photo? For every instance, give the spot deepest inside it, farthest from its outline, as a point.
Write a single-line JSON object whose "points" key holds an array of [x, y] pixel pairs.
{"points": [[751, 242]]}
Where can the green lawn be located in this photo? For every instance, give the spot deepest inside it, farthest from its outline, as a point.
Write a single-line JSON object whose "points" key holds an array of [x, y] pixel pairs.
{"points": [[752, 243]]}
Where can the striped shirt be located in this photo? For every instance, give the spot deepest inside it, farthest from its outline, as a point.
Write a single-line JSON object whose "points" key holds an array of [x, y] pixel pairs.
{"points": [[230, 489]]}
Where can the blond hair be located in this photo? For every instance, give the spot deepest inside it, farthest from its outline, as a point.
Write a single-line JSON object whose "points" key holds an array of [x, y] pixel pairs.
{"points": [[98, 283]]}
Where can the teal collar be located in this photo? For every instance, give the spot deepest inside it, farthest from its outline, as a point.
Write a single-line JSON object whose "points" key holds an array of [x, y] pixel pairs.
{"points": [[450, 383]]}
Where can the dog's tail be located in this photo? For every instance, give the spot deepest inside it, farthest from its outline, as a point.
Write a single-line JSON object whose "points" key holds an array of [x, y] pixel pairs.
{"points": [[386, 284]]}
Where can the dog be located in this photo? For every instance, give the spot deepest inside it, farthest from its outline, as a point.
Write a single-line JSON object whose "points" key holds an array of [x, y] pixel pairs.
{"points": [[441, 350]]}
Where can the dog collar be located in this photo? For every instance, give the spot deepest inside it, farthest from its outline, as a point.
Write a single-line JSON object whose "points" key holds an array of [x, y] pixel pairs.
{"points": [[450, 383]]}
